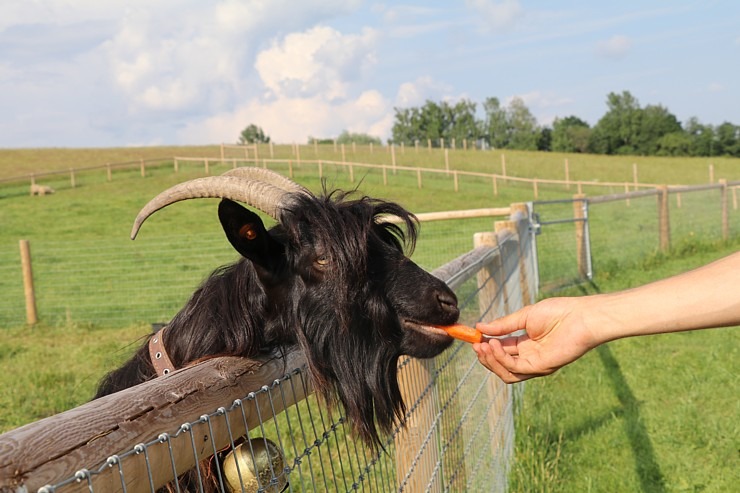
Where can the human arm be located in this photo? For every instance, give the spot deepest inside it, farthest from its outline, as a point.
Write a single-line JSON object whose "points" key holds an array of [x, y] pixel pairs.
{"points": [[560, 330]]}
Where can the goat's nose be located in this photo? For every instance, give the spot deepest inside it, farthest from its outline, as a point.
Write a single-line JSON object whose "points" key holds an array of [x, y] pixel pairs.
{"points": [[448, 301]]}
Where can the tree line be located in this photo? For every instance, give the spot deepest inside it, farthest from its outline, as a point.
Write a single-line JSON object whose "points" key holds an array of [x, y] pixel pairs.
{"points": [[625, 128]]}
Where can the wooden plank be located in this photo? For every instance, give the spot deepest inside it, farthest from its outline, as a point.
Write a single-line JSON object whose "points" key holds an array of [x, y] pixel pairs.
{"points": [[54, 448]]}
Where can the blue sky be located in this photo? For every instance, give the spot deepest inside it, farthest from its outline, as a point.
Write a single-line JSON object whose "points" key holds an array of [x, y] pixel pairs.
{"points": [[89, 73]]}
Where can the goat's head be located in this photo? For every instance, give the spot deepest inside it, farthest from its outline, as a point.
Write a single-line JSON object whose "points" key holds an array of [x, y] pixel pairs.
{"points": [[336, 282]]}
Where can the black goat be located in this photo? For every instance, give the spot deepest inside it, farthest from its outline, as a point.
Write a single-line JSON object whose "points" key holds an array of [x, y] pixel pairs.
{"points": [[331, 277]]}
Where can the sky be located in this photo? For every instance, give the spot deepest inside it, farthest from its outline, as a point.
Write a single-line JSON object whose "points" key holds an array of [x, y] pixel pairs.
{"points": [[91, 73]]}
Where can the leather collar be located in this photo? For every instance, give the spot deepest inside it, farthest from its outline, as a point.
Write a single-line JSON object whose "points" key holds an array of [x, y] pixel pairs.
{"points": [[157, 353]]}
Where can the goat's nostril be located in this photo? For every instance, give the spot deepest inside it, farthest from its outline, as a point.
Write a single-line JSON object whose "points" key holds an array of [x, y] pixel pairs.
{"points": [[448, 301]]}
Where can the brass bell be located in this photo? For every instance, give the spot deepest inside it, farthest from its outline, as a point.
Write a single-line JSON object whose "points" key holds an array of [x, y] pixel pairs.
{"points": [[260, 465]]}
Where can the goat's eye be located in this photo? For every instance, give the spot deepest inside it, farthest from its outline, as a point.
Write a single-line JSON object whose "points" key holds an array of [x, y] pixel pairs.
{"points": [[322, 261]]}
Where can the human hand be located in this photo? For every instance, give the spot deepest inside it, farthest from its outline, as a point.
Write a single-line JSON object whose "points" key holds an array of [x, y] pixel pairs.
{"points": [[556, 335]]}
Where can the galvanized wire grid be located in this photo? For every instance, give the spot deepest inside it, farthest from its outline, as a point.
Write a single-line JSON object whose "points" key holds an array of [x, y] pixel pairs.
{"points": [[625, 232], [470, 434], [113, 282]]}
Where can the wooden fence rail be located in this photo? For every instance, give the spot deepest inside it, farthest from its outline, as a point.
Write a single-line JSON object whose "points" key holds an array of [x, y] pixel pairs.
{"points": [[51, 449]]}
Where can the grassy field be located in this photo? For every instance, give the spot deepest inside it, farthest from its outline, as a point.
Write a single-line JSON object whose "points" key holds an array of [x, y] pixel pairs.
{"points": [[550, 165], [650, 414], [654, 414]]}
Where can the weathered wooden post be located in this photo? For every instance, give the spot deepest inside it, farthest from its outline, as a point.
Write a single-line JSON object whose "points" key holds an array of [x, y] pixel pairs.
{"points": [[579, 219], [393, 157], [28, 290], [664, 223], [416, 463], [634, 175], [725, 216]]}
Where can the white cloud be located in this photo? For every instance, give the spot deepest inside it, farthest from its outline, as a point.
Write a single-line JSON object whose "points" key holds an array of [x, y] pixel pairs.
{"points": [[289, 120], [615, 47], [198, 58], [183, 66], [310, 84], [716, 87], [538, 100], [320, 61], [417, 92], [497, 14]]}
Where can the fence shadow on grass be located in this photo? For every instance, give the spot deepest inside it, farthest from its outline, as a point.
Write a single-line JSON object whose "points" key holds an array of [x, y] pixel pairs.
{"points": [[648, 470], [646, 466]]}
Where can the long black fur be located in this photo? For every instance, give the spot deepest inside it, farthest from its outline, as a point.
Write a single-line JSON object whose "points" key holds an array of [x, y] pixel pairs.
{"points": [[330, 278]]}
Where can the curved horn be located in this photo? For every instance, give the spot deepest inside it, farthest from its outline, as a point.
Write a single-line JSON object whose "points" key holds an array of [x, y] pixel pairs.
{"points": [[268, 176], [261, 195]]}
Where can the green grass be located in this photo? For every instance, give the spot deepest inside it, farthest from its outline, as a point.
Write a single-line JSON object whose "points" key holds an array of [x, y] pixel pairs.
{"points": [[49, 369], [650, 414]]}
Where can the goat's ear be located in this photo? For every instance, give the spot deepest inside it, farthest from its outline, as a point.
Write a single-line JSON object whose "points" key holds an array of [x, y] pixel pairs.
{"points": [[247, 233]]}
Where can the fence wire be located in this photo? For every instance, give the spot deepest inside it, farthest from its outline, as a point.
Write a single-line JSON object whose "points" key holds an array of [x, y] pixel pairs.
{"points": [[623, 233], [116, 282]]}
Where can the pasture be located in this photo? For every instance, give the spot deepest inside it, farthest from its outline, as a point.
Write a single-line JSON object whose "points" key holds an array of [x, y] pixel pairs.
{"points": [[642, 415]]}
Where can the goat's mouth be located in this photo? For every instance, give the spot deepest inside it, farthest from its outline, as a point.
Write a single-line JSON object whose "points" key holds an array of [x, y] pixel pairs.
{"points": [[426, 329]]}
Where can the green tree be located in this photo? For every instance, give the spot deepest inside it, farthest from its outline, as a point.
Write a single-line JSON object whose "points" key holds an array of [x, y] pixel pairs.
{"points": [[253, 134], [655, 122], [617, 132], [404, 122], [347, 137], [496, 129], [523, 125], [728, 140], [460, 121], [674, 144], [435, 121], [570, 134], [702, 137]]}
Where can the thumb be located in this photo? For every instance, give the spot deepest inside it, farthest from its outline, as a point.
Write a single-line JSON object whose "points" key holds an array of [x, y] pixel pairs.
{"points": [[506, 324]]}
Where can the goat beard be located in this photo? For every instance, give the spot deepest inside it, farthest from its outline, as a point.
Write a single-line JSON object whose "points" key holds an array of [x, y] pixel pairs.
{"points": [[360, 371]]}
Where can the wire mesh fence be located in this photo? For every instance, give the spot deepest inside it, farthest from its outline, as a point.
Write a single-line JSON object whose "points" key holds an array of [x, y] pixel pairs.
{"points": [[625, 229], [113, 282], [456, 435]]}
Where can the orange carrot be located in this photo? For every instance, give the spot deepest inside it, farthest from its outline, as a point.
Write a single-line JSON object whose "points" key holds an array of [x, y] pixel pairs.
{"points": [[463, 332]]}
